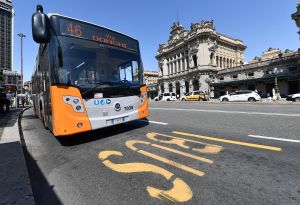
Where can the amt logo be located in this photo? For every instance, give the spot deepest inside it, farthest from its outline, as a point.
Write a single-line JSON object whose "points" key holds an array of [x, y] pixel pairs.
{"points": [[99, 102]]}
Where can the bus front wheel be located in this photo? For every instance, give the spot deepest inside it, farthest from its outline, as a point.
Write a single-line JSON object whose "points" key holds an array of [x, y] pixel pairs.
{"points": [[42, 111]]}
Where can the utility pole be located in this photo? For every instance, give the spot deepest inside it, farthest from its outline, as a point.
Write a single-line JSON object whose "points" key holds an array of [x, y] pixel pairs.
{"points": [[21, 35]]}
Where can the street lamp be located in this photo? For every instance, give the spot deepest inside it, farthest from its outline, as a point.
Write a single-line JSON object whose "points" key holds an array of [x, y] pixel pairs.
{"points": [[276, 71], [21, 35]]}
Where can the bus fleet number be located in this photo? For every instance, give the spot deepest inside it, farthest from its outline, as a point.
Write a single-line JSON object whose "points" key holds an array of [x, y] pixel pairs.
{"points": [[128, 108]]}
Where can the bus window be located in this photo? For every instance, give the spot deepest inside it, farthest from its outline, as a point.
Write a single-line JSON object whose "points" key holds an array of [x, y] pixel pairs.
{"points": [[126, 71]]}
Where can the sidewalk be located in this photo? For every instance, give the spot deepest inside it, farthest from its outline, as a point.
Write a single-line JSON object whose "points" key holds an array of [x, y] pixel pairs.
{"points": [[15, 185]]}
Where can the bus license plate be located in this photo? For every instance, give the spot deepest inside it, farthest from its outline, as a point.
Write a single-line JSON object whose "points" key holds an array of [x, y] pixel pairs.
{"points": [[118, 120]]}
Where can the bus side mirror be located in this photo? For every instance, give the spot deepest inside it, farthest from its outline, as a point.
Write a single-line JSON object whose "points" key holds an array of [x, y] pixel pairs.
{"points": [[40, 26]]}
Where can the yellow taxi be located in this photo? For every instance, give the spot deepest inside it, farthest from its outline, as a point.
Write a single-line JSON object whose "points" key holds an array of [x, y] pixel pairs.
{"points": [[197, 95]]}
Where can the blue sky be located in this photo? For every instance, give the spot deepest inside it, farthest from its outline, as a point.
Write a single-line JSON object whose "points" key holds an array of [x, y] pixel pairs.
{"points": [[259, 23]]}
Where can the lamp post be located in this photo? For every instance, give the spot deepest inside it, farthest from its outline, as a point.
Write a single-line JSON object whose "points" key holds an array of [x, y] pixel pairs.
{"points": [[276, 71], [296, 17], [21, 35]]}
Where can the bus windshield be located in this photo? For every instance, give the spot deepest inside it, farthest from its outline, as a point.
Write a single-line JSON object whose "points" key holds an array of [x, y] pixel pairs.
{"points": [[87, 64]]}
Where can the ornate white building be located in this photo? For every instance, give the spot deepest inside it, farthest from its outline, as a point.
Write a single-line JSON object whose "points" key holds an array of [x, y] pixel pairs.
{"points": [[190, 59]]}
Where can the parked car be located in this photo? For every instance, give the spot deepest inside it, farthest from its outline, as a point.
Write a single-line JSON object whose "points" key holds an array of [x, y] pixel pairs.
{"points": [[158, 98], [241, 95], [196, 95], [166, 97], [183, 98], [293, 97]]}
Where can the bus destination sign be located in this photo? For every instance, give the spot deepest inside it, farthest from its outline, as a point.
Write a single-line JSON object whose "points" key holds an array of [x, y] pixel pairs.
{"points": [[87, 31]]}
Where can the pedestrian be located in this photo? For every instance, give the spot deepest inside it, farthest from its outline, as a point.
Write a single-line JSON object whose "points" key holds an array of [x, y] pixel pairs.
{"points": [[23, 101], [7, 103], [9, 97], [2, 101]]}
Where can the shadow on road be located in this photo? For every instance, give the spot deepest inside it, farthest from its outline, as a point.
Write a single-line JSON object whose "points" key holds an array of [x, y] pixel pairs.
{"points": [[42, 191], [101, 133]]}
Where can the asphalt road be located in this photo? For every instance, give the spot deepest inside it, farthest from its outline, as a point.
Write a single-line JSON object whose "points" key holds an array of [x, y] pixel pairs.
{"points": [[188, 153]]}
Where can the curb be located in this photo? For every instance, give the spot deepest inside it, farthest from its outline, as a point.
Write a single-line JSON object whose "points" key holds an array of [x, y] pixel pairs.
{"points": [[24, 148]]}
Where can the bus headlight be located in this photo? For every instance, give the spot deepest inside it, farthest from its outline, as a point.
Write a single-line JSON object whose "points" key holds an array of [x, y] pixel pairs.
{"points": [[75, 102]]}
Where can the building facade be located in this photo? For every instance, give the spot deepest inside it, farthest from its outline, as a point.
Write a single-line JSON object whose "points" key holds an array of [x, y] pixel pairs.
{"points": [[6, 34], [191, 58], [28, 87], [261, 74], [12, 81], [150, 78]]}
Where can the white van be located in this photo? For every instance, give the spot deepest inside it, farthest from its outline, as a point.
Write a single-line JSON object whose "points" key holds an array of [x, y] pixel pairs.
{"points": [[168, 97]]}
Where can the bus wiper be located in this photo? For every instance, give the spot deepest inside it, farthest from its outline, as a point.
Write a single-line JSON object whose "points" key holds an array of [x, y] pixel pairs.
{"points": [[100, 84]]}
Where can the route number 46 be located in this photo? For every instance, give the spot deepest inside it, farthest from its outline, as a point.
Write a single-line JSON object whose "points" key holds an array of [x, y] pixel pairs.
{"points": [[74, 29]]}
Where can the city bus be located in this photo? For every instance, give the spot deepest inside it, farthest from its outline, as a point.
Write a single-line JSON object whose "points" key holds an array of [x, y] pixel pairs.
{"points": [[86, 76]]}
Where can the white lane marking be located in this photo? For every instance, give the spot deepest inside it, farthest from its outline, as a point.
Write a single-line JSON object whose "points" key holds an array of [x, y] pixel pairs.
{"points": [[230, 112], [274, 138], [155, 122]]}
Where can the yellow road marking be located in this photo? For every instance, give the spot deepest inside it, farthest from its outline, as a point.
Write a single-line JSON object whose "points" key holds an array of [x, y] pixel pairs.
{"points": [[180, 142], [130, 145], [229, 141], [183, 153], [180, 192]]}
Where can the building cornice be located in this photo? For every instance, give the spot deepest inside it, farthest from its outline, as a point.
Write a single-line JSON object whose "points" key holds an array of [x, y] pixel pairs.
{"points": [[259, 64]]}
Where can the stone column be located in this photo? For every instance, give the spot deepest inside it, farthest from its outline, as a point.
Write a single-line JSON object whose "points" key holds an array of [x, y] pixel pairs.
{"points": [[203, 83], [182, 87]]}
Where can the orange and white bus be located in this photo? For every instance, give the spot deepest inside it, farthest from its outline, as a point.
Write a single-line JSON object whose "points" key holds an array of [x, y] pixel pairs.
{"points": [[86, 77]]}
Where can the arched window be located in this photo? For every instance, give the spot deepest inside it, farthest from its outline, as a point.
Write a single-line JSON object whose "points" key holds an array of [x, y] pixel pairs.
{"points": [[195, 60], [195, 84], [221, 63], [170, 87], [187, 86], [217, 61], [227, 63], [230, 63], [162, 88]]}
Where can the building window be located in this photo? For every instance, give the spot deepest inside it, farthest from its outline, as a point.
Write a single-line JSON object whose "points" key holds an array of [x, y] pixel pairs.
{"points": [[292, 69], [195, 60], [269, 72], [234, 76], [221, 78], [162, 89], [251, 74], [170, 88]]}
